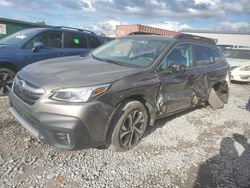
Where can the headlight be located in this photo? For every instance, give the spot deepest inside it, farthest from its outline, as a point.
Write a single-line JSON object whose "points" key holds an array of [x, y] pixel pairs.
{"points": [[79, 94]]}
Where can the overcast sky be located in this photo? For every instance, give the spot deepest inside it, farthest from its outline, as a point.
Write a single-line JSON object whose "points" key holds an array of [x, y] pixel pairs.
{"points": [[103, 15]]}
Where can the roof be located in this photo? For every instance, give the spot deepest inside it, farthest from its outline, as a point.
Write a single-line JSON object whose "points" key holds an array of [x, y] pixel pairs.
{"points": [[59, 28], [180, 36], [151, 37], [216, 32], [21, 22]]}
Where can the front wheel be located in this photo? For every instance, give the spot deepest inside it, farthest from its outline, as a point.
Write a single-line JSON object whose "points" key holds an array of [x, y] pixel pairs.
{"points": [[6, 80], [130, 124]]}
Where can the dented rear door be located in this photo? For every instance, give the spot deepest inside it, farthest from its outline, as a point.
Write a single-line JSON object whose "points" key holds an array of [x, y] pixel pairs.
{"points": [[177, 87], [176, 91]]}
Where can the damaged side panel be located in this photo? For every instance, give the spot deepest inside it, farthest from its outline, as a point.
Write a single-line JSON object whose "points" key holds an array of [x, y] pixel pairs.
{"points": [[201, 88], [211, 85], [214, 100], [175, 93], [161, 107], [218, 88]]}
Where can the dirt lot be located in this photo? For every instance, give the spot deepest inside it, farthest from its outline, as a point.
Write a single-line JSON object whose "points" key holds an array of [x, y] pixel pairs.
{"points": [[199, 148]]}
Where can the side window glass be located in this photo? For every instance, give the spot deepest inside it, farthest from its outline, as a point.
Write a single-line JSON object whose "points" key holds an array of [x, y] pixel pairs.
{"points": [[49, 40], [181, 55], [75, 40], [217, 57], [94, 42], [202, 55]]}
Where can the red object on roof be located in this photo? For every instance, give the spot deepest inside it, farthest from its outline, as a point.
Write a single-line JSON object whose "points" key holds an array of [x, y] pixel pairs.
{"points": [[123, 30]]}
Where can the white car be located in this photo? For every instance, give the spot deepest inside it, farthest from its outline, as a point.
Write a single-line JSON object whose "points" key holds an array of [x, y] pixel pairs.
{"points": [[241, 73], [239, 61]]}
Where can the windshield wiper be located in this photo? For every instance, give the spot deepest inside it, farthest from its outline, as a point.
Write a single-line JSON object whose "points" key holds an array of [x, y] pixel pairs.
{"points": [[114, 62], [107, 60], [97, 58]]}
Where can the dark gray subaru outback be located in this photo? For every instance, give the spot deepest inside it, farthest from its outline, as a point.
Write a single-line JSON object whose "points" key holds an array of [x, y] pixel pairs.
{"points": [[109, 97]]}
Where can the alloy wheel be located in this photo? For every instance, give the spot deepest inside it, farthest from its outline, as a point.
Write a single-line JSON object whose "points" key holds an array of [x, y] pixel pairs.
{"points": [[132, 129], [6, 80]]}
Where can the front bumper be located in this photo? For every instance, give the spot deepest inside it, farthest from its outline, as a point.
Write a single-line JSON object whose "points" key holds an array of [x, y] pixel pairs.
{"points": [[65, 126], [241, 78]]}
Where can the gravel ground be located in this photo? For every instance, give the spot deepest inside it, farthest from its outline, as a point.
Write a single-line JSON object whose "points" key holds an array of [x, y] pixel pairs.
{"points": [[197, 148]]}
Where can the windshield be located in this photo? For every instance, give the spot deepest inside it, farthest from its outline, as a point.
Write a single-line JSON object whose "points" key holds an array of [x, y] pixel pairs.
{"points": [[131, 51], [237, 54], [17, 38]]}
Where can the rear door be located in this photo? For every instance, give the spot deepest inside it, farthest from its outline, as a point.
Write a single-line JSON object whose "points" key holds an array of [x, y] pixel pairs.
{"points": [[52, 47], [206, 71], [75, 43], [94, 41], [177, 88]]}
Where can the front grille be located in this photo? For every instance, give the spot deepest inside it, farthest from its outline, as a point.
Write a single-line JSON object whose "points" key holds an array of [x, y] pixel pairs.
{"points": [[26, 91]]}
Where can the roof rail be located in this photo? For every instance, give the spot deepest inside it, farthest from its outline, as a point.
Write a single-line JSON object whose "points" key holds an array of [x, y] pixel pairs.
{"points": [[76, 29], [142, 33], [188, 36]]}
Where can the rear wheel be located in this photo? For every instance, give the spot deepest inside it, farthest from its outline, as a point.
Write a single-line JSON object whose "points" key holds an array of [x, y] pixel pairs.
{"points": [[130, 124], [6, 80]]}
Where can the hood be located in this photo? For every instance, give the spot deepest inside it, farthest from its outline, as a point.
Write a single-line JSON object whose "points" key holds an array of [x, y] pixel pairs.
{"points": [[237, 62], [74, 71]]}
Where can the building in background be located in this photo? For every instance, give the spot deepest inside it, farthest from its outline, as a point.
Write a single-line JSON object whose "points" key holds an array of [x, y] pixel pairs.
{"points": [[123, 30], [9, 26], [225, 39]]}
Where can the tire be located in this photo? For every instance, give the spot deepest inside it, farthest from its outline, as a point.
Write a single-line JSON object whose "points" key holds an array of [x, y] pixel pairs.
{"points": [[6, 79], [130, 123]]}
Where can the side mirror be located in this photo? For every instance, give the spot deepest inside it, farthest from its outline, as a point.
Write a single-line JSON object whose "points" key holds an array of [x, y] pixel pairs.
{"points": [[37, 46], [177, 67]]}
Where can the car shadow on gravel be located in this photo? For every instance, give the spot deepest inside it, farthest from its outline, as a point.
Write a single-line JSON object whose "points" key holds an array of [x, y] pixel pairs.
{"points": [[229, 168]]}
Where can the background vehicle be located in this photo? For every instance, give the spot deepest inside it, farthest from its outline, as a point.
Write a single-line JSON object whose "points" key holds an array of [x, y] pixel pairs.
{"points": [[31, 45], [110, 96], [241, 73], [239, 59]]}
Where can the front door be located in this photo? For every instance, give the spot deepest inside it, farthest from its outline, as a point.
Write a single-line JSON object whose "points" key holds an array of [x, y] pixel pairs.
{"points": [[52, 47]]}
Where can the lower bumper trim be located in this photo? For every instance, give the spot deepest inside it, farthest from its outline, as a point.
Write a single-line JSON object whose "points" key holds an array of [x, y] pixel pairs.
{"points": [[21, 120]]}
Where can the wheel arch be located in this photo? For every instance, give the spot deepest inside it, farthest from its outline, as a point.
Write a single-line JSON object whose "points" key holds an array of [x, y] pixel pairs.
{"points": [[144, 100], [222, 89], [138, 97], [9, 65]]}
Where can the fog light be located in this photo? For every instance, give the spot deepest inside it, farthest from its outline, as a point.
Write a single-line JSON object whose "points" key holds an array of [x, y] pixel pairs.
{"points": [[62, 137], [41, 137]]}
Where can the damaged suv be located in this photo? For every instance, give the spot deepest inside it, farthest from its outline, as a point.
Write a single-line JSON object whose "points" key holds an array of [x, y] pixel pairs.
{"points": [[109, 97]]}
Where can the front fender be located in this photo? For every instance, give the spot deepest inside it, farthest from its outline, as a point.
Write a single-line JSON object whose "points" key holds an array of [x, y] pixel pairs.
{"points": [[9, 63]]}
